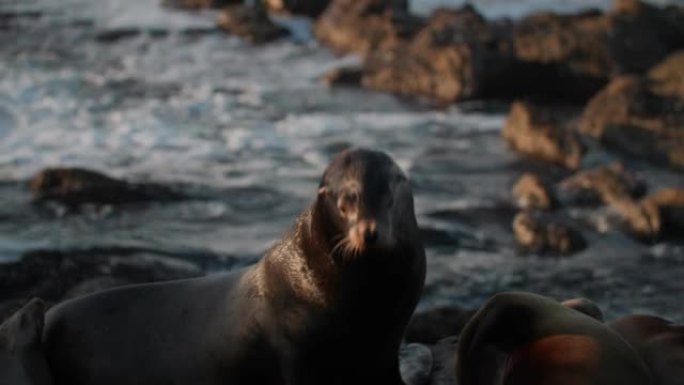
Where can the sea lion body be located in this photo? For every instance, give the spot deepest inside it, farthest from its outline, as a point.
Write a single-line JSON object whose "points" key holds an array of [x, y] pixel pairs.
{"points": [[327, 304], [527, 339], [22, 361], [660, 343]]}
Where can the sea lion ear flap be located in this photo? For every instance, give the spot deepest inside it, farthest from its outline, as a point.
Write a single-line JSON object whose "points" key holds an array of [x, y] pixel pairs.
{"points": [[585, 306], [323, 190]]}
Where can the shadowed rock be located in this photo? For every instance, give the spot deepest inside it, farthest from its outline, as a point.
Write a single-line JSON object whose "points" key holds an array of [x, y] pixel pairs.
{"points": [[642, 116], [630, 38], [601, 185], [75, 186], [541, 234], [298, 7], [54, 275], [361, 25], [199, 4]]}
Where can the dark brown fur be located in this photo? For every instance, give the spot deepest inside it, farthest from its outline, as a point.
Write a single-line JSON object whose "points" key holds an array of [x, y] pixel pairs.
{"points": [[312, 311]]}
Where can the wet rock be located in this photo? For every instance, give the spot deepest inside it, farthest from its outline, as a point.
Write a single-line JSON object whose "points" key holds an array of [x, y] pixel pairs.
{"points": [[445, 354], [415, 364], [632, 115], [530, 192], [251, 23], [641, 220], [298, 7], [75, 186], [346, 76], [630, 38], [604, 184], [577, 40], [362, 25], [664, 212], [456, 56], [51, 275], [199, 4], [541, 234], [433, 325], [630, 101], [116, 35], [668, 77], [534, 132]]}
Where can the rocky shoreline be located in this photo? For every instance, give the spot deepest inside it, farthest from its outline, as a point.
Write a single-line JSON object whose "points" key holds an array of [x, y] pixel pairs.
{"points": [[611, 81]]}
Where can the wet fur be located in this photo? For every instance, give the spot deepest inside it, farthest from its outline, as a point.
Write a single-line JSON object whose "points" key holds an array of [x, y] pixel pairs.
{"points": [[312, 311], [527, 339]]}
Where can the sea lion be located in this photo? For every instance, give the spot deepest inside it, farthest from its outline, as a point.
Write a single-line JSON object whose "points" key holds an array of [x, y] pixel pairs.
{"points": [[327, 304], [22, 361], [660, 343], [527, 339]]}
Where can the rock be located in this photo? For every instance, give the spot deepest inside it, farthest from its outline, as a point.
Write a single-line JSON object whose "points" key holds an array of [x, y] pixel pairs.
{"points": [[534, 132], [604, 184], [632, 115], [74, 186], [116, 35], [199, 4], [642, 116], [445, 355], [346, 76], [251, 23], [50, 275], [667, 78], [641, 220], [22, 361], [362, 25], [666, 212], [433, 325], [311, 8], [530, 192], [415, 364], [456, 56], [443, 74], [541, 234], [629, 39], [629, 101]]}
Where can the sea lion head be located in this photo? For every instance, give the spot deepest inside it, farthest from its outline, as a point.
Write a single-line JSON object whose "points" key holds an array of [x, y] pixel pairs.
{"points": [[368, 199]]}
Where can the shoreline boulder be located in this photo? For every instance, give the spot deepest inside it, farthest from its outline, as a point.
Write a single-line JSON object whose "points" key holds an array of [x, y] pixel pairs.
{"points": [[530, 192], [359, 26], [76, 186], [534, 132], [541, 234], [250, 23]]}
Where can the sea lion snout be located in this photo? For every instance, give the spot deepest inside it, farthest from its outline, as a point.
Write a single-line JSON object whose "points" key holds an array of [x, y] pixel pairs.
{"points": [[371, 233]]}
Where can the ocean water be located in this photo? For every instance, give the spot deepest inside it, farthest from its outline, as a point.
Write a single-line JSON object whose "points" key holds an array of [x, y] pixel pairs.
{"points": [[247, 132]]}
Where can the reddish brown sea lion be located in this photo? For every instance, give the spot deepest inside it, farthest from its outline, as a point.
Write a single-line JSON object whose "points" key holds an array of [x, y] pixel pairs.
{"points": [[527, 339]]}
